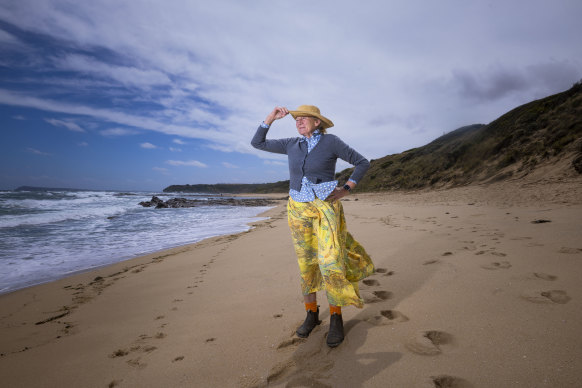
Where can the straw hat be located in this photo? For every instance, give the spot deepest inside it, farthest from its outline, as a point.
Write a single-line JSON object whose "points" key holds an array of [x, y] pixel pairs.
{"points": [[311, 111]]}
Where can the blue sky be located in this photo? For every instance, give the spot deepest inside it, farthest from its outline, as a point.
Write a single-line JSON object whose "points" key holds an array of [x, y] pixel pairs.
{"points": [[138, 95]]}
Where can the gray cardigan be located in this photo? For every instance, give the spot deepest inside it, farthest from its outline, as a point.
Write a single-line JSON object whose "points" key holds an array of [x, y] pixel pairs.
{"points": [[319, 164]]}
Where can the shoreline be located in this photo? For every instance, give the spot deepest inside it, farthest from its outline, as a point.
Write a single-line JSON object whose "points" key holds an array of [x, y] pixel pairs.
{"points": [[462, 274], [20, 285]]}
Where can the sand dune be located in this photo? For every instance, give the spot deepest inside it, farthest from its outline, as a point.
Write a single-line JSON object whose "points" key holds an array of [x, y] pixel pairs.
{"points": [[470, 291]]}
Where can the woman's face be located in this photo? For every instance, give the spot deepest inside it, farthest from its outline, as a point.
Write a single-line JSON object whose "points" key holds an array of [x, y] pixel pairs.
{"points": [[306, 125]]}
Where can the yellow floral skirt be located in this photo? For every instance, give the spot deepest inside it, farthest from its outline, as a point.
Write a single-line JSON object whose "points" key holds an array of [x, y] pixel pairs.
{"points": [[329, 257]]}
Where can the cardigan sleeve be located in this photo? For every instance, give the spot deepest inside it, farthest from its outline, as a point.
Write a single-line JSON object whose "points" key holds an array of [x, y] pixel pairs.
{"points": [[260, 142], [351, 156]]}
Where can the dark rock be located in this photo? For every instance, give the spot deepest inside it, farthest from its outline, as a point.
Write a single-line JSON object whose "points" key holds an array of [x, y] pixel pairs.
{"points": [[218, 201], [155, 202]]}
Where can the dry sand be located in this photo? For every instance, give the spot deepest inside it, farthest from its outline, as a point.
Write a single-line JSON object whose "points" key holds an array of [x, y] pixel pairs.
{"points": [[471, 291]]}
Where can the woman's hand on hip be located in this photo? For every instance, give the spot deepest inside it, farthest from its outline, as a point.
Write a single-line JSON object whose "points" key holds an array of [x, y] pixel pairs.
{"points": [[337, 193], [278, 113]]}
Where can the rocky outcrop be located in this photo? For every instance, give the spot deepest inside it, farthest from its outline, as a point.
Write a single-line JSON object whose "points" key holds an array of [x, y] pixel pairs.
{"points": [[183, 202]]}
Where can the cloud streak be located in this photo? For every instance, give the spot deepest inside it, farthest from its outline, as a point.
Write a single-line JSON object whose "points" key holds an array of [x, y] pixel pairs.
{"points": [[71, 126], [148, 146], [112, 132], [190, 163], [37, 152]]}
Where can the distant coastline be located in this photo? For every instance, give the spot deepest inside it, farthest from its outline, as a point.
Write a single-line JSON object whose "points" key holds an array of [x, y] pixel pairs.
{"points": [[231, 188]]}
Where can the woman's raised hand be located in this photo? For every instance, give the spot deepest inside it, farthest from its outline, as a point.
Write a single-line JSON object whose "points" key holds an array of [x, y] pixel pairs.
{"points": [[278, 113]]}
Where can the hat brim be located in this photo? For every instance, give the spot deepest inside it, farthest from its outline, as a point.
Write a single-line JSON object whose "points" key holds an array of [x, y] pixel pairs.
{"points": [[325, 122]]}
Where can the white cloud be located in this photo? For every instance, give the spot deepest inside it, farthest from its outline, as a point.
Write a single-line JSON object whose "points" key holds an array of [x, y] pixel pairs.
{"points": [[175, 149], [118, 132], [193, 163], [178, 141], [148, 146], [37, 152], [83, 144], [18, 117], [229, 165], [70, 125]]}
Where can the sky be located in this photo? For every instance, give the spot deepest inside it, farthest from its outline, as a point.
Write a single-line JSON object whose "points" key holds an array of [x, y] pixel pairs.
{"points": [[139, 95]]}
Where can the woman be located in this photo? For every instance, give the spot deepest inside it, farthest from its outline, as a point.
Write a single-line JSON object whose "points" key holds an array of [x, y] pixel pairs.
{"points": [[329, 258]]}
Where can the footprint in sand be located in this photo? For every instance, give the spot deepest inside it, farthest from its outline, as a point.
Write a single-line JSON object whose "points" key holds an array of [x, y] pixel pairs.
{"points": [[119, 353], [385, 220], [371, 282], [553, 296], [429, 343], [384, 271], [545, 276], [429, 262], [137, 363], [570, 251], [497, 265], [376, 296], [387, 317], [446, 381]]}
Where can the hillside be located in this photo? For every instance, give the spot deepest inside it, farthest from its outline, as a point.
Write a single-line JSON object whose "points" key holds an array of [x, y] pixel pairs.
{"points": [[538, 133]]}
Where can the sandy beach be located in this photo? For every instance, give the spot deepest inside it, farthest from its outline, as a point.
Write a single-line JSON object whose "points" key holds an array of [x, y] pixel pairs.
{"points": [[475, 287]]}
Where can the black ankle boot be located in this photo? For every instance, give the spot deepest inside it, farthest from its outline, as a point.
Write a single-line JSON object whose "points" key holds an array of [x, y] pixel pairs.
{"points": [[311, 320], [336, 331]]}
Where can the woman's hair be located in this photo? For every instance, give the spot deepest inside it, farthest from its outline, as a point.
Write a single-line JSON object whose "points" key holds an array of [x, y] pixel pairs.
{"points": [[321, 129]]}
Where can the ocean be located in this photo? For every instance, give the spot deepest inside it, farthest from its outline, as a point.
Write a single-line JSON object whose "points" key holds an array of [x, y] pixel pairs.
{"points": [[48, 235]]}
